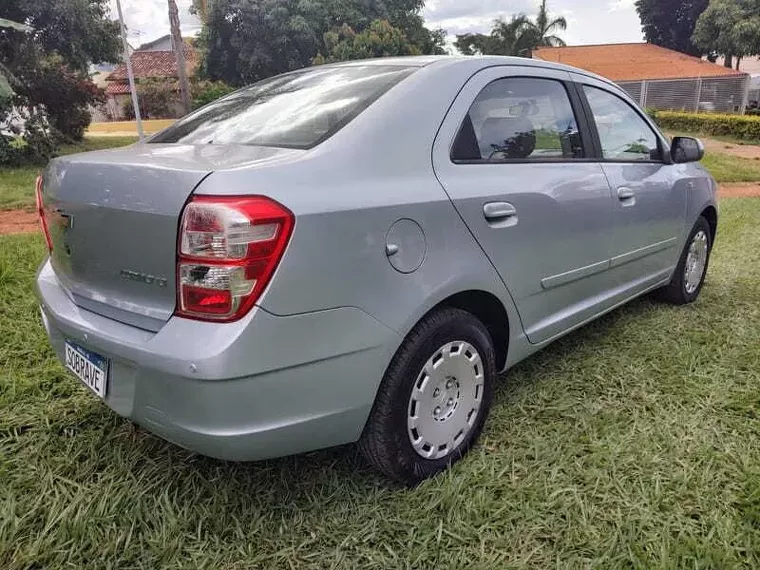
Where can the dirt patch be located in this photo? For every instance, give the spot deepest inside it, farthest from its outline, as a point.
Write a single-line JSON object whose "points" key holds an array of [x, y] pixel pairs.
{"points": [[749, 151], [741, 190], [18, 222]]}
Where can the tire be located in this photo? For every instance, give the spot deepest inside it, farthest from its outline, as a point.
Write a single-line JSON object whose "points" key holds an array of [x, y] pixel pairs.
{"points": [[459, 355], [681, 290]]}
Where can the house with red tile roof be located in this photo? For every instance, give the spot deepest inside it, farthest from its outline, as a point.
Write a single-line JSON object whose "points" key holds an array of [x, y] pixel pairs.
{"points": [[152, 61], [658, 77]]}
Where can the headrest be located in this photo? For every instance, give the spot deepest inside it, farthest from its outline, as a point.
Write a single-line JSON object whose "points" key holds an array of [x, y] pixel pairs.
{"points": [[511, 137]]}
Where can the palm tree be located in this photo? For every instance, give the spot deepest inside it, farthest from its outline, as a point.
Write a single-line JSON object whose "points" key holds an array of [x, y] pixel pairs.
{"points": [[513, 37], [543, 29], [518, 36]]}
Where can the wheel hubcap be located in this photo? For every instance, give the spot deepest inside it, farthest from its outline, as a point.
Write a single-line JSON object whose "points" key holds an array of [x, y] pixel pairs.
{"points": [[696, 262], [445, 400]]}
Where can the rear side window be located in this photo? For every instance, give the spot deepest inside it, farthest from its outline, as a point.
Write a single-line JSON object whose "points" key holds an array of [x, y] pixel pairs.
{"points": [[519, 118], [297, 110], [623, 134]]}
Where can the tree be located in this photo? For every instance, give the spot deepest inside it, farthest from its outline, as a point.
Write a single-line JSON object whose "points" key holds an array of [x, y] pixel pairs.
{"points": [[543, 29], [730, 28], [474, 44], [50, 65], [671, 24], [380, 39], [6, 77], [80, 31], [248, 40], [178, 45], [516, 37]]}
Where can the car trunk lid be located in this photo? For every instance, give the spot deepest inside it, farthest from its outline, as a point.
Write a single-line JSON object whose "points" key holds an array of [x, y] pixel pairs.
{"points": [[113, 218]]}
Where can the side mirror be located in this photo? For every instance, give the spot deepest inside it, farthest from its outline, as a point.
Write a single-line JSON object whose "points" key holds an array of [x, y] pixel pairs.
{"points": [[687, 149]]}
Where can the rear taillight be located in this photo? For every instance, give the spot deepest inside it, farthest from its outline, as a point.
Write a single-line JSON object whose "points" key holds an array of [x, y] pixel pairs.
{"points": [[41, 213], [229, 248]]}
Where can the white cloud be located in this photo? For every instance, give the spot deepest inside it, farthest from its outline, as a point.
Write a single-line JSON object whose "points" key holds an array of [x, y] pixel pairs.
{"points": [[147, 20], [616, 5]]}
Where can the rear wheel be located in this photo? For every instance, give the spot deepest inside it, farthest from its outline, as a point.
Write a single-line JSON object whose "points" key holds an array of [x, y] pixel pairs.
{"points": [[690, 273], [434, 398]]}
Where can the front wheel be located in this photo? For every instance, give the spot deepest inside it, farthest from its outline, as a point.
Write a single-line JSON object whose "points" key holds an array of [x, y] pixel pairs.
{"points": [[691, 271], [434, 398]]}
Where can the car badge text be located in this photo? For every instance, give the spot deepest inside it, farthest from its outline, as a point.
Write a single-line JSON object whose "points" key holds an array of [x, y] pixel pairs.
{"points": [[143, 278]]}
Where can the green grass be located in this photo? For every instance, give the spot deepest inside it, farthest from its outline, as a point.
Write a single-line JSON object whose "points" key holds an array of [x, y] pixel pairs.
{"points": [[17, 184], [17, 187], [727, 168], [632, 443]]}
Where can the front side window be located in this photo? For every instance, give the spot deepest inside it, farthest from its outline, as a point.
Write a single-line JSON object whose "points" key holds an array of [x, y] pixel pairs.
{"points": [[624, 135], [519, 118], [297, 110]]}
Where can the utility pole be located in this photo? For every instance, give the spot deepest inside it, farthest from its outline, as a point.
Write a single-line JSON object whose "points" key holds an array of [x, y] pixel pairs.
{"points": [[130, 74], [179, 52]]}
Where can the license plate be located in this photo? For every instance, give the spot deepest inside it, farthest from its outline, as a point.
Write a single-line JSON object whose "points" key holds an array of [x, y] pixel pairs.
{"points": [[89, 367]]}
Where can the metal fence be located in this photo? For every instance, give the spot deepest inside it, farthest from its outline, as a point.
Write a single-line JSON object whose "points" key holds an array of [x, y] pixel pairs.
{"points": [[708, 94]]}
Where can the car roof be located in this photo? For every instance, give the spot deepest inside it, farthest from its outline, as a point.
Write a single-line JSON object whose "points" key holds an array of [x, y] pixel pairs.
{"points": [[476, 61]]}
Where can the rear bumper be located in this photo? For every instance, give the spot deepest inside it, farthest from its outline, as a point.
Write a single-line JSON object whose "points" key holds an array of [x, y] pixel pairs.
{"points": [[263, 387]]}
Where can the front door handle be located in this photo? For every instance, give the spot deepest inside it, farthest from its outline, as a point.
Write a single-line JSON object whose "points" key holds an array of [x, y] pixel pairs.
{"points": [[626, 196], [500, 213]]}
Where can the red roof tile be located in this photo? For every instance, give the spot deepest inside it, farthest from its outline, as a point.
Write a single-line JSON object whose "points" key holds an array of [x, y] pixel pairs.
{"points": [[117, 88], [634, 62], [147, 64]]}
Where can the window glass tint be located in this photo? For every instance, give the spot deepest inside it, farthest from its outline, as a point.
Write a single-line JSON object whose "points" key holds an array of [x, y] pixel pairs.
{"points": [[520, 118], [623, 133], [297, 110]]}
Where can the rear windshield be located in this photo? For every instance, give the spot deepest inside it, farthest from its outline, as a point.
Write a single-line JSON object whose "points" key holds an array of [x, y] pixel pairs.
{"points": [[297, 110]]}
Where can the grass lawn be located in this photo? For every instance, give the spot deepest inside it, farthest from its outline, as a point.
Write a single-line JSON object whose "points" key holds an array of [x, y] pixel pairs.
{"points": [[632, 443], [727, 168], [17, 184]]}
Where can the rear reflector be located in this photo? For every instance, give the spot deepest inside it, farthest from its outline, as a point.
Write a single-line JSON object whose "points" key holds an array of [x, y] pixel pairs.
{"points": [[41, 213], [229, 248]]}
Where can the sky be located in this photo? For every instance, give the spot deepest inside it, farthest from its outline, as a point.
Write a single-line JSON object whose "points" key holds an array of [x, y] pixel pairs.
{"points": [[589, 21]]}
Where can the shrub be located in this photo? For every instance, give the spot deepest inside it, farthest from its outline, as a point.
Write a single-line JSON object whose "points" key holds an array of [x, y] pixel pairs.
{"points": [[158, 100], [204, 92], [738, 126]]}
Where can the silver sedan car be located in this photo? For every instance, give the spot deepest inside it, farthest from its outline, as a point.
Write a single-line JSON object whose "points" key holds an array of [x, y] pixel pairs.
{"points": [[355, 252]]}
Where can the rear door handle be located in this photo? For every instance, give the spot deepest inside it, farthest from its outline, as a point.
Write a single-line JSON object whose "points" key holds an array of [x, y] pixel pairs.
{"points": [[626, 196], [500, 214]]}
